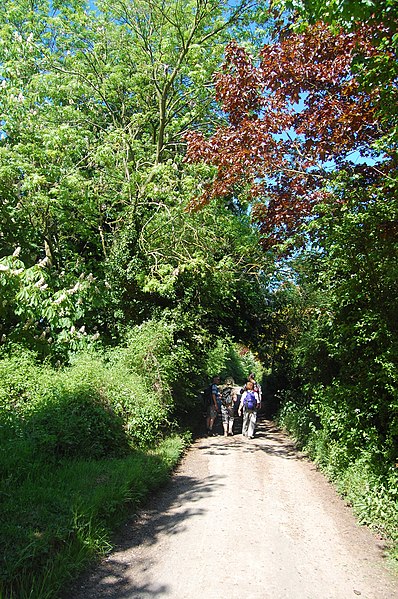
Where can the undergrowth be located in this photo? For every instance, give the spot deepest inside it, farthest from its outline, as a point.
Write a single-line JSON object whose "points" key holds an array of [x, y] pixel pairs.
{"points": [[62, 515], [78, 447], [362, 478]]}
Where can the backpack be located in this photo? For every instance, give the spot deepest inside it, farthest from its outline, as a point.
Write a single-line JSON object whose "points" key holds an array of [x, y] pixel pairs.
{"points": [[226, 397], [207, 396], [250, 400]]}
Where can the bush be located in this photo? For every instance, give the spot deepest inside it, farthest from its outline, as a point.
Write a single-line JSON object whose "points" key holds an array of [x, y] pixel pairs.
{"points": [[91, 409], [153, 352], [71, 456], [227, 358], [362, 477]]}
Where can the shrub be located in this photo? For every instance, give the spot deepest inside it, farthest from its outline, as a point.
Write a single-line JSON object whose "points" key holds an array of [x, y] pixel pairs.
{"points": [[91, 409], [231, 359], [362, 477]]}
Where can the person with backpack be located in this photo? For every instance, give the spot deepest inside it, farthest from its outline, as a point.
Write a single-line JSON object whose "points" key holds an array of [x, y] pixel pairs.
{"points": [[211, 397], [249, 403], [256, 386], [228, 399]]}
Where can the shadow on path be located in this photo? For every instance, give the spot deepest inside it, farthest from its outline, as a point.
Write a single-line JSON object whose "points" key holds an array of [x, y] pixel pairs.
{"points": [[111, 578], [169, 512], [268, 438]]}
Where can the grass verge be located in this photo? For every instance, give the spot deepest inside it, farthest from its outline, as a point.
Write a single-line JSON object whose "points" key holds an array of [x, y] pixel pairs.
{"points": [[61, 515]]}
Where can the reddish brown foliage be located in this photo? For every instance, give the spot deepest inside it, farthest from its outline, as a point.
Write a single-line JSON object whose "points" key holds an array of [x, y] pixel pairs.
{"points": [[271, 148]]}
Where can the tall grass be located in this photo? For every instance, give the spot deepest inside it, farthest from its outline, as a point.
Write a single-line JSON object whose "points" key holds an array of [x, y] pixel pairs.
{"points": [[62, 515], [78, 446]]}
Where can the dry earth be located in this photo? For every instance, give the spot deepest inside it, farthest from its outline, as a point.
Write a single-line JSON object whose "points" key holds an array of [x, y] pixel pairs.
{"points": [[243, 518]]}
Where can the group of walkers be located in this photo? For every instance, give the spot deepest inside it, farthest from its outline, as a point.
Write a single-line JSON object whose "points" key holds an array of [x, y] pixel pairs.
{"points": [[228, 401]]}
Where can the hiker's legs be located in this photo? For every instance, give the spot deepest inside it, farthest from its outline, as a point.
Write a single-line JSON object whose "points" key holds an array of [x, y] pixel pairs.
{"points": [[245, 423], [225, 418], [252, 423], [211, 416]]}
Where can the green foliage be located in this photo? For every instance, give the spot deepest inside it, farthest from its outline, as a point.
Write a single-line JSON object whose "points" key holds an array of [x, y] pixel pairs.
{"points": [[373, 497], [91, 409], [205, 270], [45, 314], [231, 359], [92, 179], [57, 416], [61, 515], [69, 442], [297, 416], [347, 13], [345, 353], [151, 352], [362, 477]]}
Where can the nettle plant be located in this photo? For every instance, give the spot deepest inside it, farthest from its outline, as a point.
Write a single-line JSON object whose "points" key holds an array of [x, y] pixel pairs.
{"points": [[41, 309]]}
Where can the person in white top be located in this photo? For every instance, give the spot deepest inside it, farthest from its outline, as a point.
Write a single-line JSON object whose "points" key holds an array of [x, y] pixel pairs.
{"points": [[249, 403]]}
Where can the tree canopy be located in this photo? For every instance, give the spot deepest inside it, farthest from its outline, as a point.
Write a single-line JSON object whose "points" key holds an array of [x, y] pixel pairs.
{"points": [[190, 188], [94, 103]]}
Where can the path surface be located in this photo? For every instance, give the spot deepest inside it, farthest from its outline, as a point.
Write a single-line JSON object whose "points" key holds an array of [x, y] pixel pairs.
{"points": [[248, 519]]}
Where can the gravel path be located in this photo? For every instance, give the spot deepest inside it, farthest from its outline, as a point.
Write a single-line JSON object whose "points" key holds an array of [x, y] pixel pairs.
{"points": [[243, 518]]}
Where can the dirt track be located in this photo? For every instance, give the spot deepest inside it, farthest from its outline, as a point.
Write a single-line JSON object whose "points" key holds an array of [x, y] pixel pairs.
{"points": [[244, 518]]}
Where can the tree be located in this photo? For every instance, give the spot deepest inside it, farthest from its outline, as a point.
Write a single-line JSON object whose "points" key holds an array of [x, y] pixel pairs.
{"points": [[300, 107], [93, 106]]}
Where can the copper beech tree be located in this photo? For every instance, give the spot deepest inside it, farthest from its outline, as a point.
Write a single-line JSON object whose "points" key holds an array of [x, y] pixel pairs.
{"points": [[299, 107]]}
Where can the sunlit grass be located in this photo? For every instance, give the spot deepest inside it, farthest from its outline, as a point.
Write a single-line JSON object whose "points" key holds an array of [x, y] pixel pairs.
{"points": [[62, 515]]}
